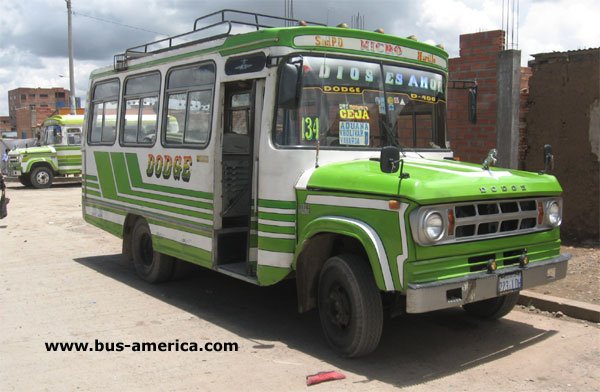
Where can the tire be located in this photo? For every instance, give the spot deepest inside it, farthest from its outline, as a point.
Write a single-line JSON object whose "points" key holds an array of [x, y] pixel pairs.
{"points": [[41, 177], [24, 180], [350, 306], [151, 266], [493, 308]]}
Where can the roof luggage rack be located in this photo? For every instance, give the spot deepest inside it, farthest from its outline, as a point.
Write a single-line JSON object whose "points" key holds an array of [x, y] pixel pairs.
{"points": [[223, 29]]}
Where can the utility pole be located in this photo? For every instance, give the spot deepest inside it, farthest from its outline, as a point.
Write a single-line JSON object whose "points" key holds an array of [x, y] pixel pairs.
{"points": [[71, 75]]}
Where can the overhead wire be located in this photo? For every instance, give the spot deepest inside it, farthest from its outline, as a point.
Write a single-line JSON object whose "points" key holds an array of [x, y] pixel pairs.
{"points": [[118, 23]]}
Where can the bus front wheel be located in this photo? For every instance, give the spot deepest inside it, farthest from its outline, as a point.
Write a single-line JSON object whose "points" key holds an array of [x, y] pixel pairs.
{"points": [[24, 180], [350, 306], [150, 265], [41, 177]]}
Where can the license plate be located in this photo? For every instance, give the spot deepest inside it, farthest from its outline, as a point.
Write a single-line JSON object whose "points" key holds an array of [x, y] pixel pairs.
{"points": [[15, 173], [510, 282]]}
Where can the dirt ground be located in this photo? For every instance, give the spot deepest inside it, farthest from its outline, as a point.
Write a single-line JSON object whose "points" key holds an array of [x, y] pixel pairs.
{"points": [[62, 280], [583, 276]]}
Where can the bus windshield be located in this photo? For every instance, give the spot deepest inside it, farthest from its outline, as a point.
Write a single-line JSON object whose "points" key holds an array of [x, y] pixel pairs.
{"points": [[358, 104], [52, 135]]}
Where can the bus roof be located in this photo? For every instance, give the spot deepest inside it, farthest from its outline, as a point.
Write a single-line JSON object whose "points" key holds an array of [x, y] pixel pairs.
{"points": [[65, 119], [315, 38]]}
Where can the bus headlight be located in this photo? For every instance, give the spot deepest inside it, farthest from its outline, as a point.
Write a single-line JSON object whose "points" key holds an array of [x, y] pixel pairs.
{"points": [[433, 226], [553, 213]]}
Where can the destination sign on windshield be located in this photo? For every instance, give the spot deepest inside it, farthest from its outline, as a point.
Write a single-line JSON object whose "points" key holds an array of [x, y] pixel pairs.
{"points": [[342, 76]]}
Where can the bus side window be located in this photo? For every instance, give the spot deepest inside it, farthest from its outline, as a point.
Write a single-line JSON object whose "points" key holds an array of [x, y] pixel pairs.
{"points": [[189, 105], [104, 112], [73, 137]]}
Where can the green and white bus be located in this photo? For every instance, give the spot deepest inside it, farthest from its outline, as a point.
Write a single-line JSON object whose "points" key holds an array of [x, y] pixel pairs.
{"points": [[58, 154], [314, 153]]}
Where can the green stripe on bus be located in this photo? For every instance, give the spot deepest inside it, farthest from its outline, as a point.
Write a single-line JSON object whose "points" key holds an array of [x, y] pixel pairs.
{"points": [[109, 190], [90, 177], [179, 222], [182, 251], [137, 181], [276, 244], [92, 185], [276, 229], [119, 167], [277, 204], [92, 193], [175, 226], [277, 217], [67, 148], [111, 227], [68, 158], [268, 275], [253, 241]]}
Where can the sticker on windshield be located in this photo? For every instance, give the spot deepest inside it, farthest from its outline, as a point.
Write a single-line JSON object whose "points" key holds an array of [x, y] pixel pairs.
{"points": [[354, 112], [381, 104], [354, 133]]}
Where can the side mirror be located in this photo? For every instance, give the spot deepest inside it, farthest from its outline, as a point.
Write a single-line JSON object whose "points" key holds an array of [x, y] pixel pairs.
{"points": [[388, 161], [548, 158], [473, 105], [288, 97]]}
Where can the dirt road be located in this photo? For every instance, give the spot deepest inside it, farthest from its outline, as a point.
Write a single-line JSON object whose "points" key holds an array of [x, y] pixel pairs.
{"points": [[63, 281]]}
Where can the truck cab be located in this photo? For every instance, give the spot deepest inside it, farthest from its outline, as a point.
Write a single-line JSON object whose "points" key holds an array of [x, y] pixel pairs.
{"points": [[57, 154]]}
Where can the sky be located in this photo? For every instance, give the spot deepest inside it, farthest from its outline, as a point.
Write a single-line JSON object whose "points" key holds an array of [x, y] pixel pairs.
{"points": [[33, 33]]}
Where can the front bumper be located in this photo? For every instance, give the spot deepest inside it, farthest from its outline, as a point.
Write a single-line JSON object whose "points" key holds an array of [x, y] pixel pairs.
{"points": [[14, 169], [449, 293]]}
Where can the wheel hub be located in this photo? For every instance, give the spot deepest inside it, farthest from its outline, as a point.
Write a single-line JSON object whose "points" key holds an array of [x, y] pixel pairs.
{"points": [[42, 178], [339, 307]]}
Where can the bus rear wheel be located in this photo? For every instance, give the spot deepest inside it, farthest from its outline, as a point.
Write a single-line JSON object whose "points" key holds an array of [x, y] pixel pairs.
{"points": [[350, 306], [150, 265]]}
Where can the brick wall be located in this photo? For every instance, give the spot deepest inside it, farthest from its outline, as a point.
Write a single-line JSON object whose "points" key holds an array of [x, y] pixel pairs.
{"points": [[28, 120], [477, 61]]}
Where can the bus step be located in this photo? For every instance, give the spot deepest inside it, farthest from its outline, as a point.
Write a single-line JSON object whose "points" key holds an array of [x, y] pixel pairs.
{"points": [[237, 270]]}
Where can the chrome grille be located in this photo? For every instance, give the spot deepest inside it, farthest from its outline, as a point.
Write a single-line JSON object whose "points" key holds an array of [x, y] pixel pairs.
{"points": [[478, 220], [488, 219]]}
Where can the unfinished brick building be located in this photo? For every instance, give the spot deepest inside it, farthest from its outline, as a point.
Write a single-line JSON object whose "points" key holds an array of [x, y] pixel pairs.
{"points": [[554, 101]]}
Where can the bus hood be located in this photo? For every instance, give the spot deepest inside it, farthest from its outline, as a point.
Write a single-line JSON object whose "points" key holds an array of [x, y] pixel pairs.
{"points": [[33, 150], [432, 181]]}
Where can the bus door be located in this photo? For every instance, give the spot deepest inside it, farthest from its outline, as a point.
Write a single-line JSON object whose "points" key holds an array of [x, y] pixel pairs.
{"points": [[238, 186]]}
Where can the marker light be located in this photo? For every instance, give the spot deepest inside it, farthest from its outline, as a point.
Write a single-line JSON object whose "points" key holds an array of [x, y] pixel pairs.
{"points": [[380, 31], [523, 260], [342, 26], [394, 205], [450, 221], [540, 216]]}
